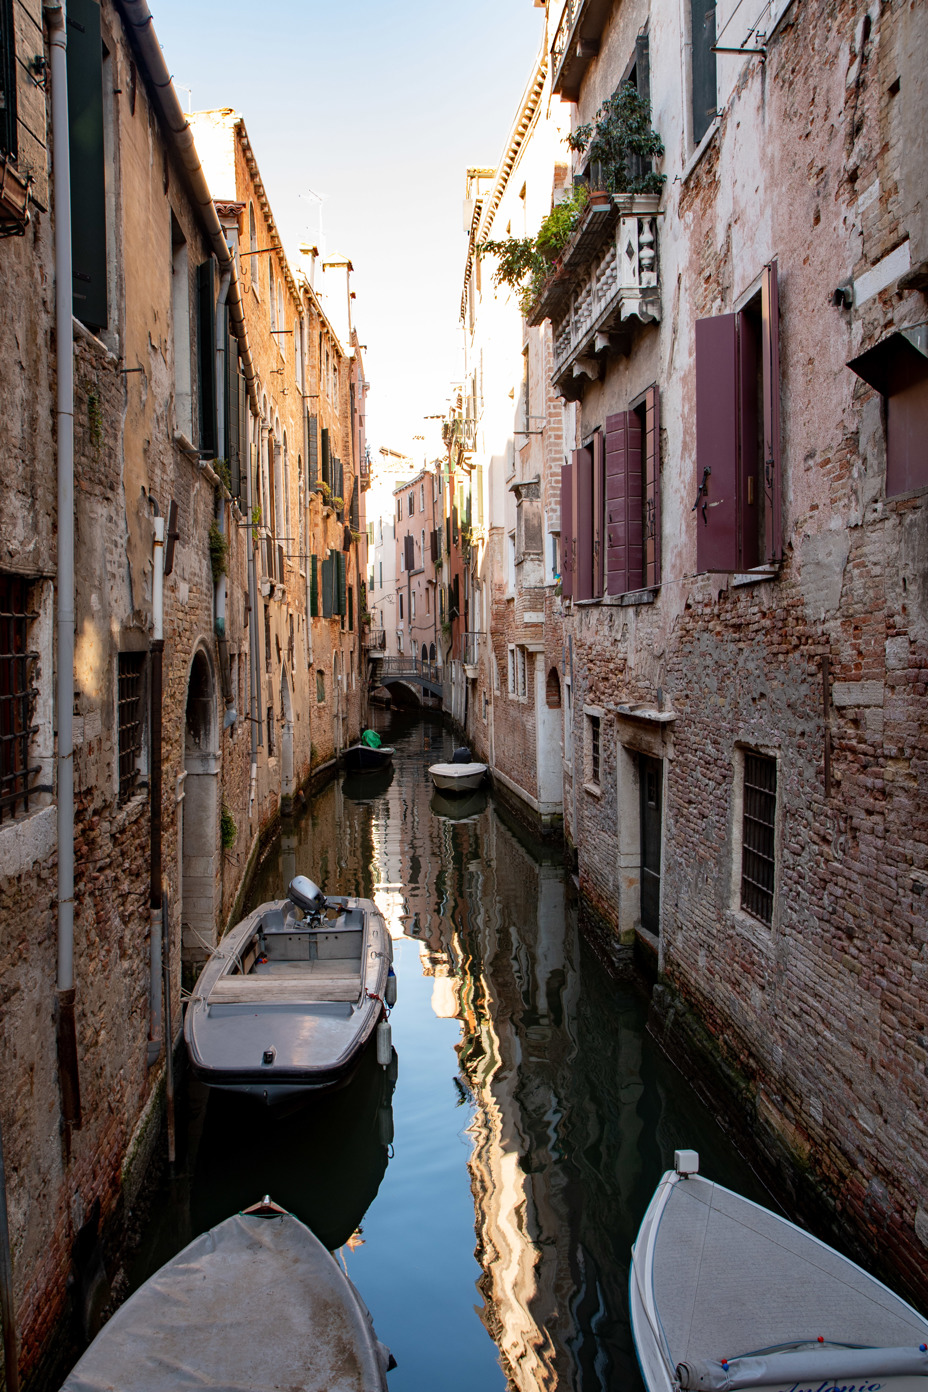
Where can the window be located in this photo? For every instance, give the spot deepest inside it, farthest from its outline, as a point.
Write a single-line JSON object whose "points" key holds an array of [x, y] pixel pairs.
{"points": [[411, 504], [207, 292], [583, 481], [703, 77], [180, 311], [18, 696], [252, 246], [521, 672], [412, 605], [632, 497], [593, 747], [271, 733], [88, 163], [399, 509], [897, 367], [511, 563], [422, 547], [737, 503], [320, 685], [130, 670], [422, 497], [758, 829], [511, 655], [525, 400], [271, 295], [7, 81], [401, 608]]}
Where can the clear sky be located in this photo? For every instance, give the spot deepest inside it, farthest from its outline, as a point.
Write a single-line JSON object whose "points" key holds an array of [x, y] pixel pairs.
{"points": [[379, 107]]}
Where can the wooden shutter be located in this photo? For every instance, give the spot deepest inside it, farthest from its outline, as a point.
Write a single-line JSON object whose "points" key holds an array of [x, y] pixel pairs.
{"points": [[341, 575], [313, 451], [716, 504], [434, 543], [234, 388], [409, 553], [624, 511], [770, 363], [206, 353], [328, 586], [703, 73], [652, 487], [314, 587], [8, 142], [582, 516], [354, 511], [88, 177], [567, 536], [750, 470], [351, 607], [326, 459], [598, 520]]}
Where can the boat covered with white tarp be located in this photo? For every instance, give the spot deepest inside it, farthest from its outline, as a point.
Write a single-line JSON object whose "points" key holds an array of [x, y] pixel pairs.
{"points": [[725, 1294]]}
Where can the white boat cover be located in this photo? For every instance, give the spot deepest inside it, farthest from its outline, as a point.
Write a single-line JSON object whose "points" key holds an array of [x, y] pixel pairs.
{"points": [[808, 1365], [255, 1305]]}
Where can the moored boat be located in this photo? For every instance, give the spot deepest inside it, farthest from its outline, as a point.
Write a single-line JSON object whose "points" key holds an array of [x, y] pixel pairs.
{"points": [[725, 1294], [291, 996], [462, 775], [257, 1302], [363, 758]]}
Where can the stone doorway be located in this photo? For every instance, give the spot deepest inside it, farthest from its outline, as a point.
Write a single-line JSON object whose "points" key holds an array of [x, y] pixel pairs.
{"points": [[198, 814]]}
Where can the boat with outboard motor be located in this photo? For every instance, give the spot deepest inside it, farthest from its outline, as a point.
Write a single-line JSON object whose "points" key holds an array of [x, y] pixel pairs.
{"points": [[462, 775], [291, 996], [256, 1302], [725, 1294]]}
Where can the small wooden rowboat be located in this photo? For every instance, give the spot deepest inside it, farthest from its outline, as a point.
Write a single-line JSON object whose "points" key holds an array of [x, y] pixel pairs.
{"points": [[291, 996], [255, 1303], [725, 1294], [361, 758]]}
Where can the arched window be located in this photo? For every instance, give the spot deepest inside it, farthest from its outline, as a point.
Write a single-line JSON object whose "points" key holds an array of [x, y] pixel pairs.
{"points": [[553, 690], [425, 653]]}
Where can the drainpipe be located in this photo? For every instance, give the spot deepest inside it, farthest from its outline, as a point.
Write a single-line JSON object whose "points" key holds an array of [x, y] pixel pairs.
{"points": [[219, 598], [155, 1031], [64, 409], [254, 664]]}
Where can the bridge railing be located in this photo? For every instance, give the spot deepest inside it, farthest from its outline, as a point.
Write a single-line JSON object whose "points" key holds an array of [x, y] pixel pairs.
{"points": [[411, 667]]}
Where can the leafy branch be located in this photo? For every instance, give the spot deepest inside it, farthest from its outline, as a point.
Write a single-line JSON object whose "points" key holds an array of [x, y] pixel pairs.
{"points": [[524, 263], [621, 142]]}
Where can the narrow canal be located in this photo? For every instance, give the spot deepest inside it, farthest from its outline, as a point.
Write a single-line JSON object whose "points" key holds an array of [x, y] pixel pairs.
{"points": [[485, 1204]]}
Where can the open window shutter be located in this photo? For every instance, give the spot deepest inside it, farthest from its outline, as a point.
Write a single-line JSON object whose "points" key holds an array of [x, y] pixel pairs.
{"points": [[643, 66], [456, 597], [652, 488], [434, 543], [206, 353], [351, 607], [770, 363], [624, 515], [328, 587], [582, 512], [234, 386], [703, 73], [750, 464], [567, 540], [409, 553], [88, 177], [599, 513], [354, 511], [716, 505], [313, 451], [341, 573], [339, 485], [326, 459], [314, 587]]}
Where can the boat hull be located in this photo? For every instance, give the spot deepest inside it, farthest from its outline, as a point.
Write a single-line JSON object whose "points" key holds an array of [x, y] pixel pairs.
{"points": [[360, 758], [458, 778], [715, 1277]]}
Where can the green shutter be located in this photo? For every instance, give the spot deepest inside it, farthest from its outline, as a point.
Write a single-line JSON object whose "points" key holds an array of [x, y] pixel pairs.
{"points": [[206, 353], [314, 587], [328, 587], [326, 459], [341, 573], [88, 176], [313, 451]]}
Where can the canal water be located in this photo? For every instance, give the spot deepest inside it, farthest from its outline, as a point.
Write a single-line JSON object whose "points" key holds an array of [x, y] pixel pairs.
{"points": [[483, 1194]]}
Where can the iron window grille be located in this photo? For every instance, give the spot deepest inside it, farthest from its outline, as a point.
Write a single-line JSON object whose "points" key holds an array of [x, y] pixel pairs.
{"points": [[594, 748], [18, 693], [130, 671], [758, 863]]}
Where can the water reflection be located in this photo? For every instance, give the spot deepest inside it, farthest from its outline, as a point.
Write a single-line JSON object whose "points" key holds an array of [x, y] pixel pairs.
{"points": [[533, 1114]]}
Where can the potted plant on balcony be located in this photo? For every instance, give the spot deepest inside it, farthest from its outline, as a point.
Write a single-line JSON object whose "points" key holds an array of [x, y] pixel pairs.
{"points": [[620, 144]]}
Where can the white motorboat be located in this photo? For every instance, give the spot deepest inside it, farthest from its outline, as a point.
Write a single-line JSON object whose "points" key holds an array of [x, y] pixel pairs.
{"points": [[257, 1302], [291, 996], [462, 775], [725, 1294]]}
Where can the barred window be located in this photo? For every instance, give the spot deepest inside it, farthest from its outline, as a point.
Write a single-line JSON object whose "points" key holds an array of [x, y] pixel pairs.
{"points": [[758, 862], [18, 767], [594, 748], [130, 670]]}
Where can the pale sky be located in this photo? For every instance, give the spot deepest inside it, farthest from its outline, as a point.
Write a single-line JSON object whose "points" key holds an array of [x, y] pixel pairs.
{"points": [[379, 107]]}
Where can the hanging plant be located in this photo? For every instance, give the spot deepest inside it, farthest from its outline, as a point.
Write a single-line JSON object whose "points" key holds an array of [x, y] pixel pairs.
{"points": [[621, 143], [218, 552], [524, 263], [227, 828]]}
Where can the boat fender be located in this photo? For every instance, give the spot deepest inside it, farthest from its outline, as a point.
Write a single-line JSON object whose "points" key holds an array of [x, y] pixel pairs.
{"points": [[384, 1044], [385, 1126], [389, 994]]}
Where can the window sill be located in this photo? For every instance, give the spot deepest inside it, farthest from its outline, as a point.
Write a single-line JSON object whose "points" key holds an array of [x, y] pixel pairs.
{"points": [[754, 577], [700, 150], [632, 598], [29, 841], [593, 789]]}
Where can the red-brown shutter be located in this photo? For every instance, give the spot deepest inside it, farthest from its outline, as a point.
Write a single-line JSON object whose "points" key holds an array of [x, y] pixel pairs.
{"points": [[652, 488], [623, 503], [567, 532], [598, 520], [750, 477], [582, 511], [409, 553], [773, 483], [716, 504]]}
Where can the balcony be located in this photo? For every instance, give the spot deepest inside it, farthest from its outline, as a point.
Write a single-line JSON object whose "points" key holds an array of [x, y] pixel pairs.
{"points": [[375, 640], [605, 286], [576, 44]]}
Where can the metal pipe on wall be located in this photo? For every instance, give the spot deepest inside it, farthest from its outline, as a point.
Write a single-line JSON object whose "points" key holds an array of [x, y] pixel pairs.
{"points": [[68, 1072], [155, 1031]]}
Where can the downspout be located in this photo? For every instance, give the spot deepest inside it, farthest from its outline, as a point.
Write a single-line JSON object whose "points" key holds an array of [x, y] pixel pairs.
{"points": [[219, 597], [64, 414], [254, 664], [155, 1030]]}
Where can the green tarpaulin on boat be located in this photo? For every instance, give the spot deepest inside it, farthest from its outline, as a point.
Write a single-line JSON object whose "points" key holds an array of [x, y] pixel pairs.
{"points": [[371, 739]]}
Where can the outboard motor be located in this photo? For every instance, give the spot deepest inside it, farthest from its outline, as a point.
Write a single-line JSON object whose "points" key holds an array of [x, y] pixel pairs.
{"points": [[462, 756], [307, 896]]}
